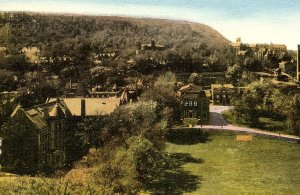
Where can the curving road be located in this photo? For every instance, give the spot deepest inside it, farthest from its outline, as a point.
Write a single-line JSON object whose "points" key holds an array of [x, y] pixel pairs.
{"points": [[217, 122]]}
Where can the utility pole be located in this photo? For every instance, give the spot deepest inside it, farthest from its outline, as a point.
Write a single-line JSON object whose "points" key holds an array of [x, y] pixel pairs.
{"points": [[298, 64], [1, 140]]}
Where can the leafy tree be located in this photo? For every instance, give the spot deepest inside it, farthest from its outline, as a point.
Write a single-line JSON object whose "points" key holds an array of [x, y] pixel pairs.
{"points": [[116, 175], [125, 168], [293, 115], [163, 93], [234, 73], [7, 80], [136, 119], [89, 131], [248, 108]]}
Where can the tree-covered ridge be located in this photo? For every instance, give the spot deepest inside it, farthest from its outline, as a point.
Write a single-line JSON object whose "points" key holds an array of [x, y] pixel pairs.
{"points": [[104, 32], [83, 37]]}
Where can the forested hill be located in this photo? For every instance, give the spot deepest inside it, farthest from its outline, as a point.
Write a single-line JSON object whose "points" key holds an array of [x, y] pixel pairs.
{"points": [[104, 32], [78, 36]]}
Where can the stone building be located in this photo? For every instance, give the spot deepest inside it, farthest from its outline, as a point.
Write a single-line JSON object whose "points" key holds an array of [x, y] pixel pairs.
{"points": [[51, 122], [222, 94], [194, 103], [260, 50]]}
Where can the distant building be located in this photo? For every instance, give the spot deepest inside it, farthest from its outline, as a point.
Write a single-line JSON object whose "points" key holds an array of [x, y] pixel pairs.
{"points": [[222, 94], [243, 53], [152, 46], [132, 92], [58, 59], [74, 89], [51, 122], [31, 53], [286, 66], [8, 94], [98, 58], [237, 45], [3, 51], [260, 50], [194, 103]]}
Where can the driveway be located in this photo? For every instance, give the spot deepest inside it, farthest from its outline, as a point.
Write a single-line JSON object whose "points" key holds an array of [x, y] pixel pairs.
{"points": [[217, 122]]}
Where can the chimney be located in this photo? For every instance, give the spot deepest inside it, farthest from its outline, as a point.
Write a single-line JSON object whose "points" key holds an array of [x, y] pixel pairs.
{"points": [[298, 64], [152, 43], [83, 113], [70, 84]]}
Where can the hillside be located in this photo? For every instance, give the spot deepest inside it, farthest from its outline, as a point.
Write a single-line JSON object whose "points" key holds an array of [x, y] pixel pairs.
{"points": [[37, 29]]}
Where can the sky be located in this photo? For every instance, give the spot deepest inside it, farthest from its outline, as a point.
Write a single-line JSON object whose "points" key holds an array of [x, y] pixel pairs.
{"points": [[255, 21]]}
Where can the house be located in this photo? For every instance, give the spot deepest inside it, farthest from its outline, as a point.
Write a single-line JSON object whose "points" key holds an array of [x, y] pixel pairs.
{"points": [[51, 121], [222, 94], [152, 46], [74, 89], [194, 103], [4, 51], [103, 91], [31, 53], [287, 66]]}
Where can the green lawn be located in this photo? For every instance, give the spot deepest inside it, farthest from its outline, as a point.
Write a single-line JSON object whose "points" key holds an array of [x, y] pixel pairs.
{"points": [[220, 165], [267, 124]]}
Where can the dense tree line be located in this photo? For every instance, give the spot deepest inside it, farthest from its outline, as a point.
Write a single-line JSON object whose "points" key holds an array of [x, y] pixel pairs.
{"points": [[265, 100]]}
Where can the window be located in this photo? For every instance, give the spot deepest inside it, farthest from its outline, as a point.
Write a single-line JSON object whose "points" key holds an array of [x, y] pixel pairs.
{"points": [[195, 103], [52, 136], [190, 103], [186, 103], [218, 96]]}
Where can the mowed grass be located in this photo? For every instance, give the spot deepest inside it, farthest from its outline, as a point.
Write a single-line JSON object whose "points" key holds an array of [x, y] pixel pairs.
{"points": [[222, 165]]}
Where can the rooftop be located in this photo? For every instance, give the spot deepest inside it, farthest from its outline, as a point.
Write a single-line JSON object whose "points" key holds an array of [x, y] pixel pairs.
{"points": [[93, 106], [37, 114]]}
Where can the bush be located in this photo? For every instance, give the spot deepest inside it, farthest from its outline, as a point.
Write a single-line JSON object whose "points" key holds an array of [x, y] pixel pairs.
{"points": [[190, 121]]}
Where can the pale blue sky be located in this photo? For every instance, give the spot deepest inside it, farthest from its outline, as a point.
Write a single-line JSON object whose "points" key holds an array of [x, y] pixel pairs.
{"points": [[256, 21]]}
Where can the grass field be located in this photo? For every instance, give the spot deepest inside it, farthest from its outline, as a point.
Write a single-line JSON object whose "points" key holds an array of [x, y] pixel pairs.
{"points": [[220, 165]]}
